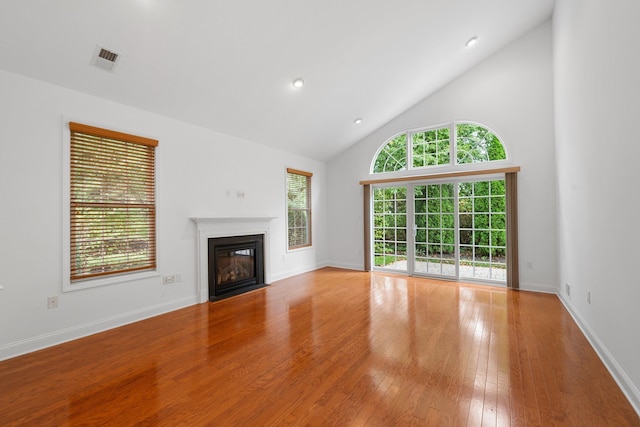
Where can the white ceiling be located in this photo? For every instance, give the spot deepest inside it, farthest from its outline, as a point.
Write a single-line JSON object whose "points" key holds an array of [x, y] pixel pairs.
{"points": [[227, 65]]}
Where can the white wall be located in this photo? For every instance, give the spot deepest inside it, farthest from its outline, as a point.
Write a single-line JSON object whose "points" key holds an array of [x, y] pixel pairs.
{"points": [[195, 166], [597, 69], [512, 93]]}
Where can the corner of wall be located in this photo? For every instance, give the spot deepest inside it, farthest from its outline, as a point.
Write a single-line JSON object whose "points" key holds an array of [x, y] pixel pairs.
{"points": [[620, 377]]}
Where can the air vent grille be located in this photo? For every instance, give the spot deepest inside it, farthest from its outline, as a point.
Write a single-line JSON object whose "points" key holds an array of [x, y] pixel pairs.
{"points": [[108, 55], [105, 58]]}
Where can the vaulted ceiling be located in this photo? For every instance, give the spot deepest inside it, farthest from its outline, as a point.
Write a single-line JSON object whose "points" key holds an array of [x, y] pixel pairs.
{"points": [[228, 65]]}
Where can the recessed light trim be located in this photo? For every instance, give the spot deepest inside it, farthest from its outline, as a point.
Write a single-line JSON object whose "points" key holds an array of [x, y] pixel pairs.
{"points": [[297, 83], [473, 40]]}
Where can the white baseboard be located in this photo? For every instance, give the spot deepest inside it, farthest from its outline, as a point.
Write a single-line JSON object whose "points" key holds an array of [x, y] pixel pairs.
{"points": [[357, 267], [296, 271], [40, 342], [534, 287], [620, 377]]}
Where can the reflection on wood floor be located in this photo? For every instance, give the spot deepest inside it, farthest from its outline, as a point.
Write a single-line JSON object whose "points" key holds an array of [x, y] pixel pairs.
{"points": [[331, 347]]}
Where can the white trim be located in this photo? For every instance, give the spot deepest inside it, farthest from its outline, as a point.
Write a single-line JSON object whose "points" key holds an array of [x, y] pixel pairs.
{"points": [[620, 377], [211, 227], [296, 271], [346, 266], [536, 287], [298, 249], [107, 280], [69, 334]]}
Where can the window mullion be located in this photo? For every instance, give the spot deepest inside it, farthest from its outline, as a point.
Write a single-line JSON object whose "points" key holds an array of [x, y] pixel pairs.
{"points": [[456, 226], [453, 144], [411, 224], [409, 150]]}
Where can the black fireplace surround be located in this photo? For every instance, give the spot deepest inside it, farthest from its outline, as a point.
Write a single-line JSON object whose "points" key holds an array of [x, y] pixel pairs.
{"points": [[236, 265]]}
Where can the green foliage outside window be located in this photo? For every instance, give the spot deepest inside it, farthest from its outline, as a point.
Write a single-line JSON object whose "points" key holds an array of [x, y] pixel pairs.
{"points": [[477, 144], [430, 148], [481, 222], [473, 144], [479, 230], [393, 156], [298, 209], [389, 225]]}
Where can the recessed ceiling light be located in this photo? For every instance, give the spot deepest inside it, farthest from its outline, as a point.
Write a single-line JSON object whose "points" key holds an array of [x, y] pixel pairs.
{"points": [[472, 41], [358, 120], [297, 83]]}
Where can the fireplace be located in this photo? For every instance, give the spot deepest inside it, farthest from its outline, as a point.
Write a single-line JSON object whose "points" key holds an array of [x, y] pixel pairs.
{"points": [[235, 265], [208, 227]]}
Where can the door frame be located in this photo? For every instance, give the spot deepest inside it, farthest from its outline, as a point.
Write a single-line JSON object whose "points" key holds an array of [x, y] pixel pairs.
{"points": [[508, 174]]}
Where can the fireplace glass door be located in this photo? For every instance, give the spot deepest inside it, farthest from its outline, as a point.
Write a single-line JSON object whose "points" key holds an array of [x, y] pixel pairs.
{"points": [[236, 264]]}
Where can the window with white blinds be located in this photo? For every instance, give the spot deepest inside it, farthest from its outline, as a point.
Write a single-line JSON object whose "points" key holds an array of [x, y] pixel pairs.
{"points": [[298, 208], [112, 202]]}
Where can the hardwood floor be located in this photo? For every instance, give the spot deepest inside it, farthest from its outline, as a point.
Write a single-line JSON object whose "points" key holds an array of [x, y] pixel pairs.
{"points": [[331, 347]]}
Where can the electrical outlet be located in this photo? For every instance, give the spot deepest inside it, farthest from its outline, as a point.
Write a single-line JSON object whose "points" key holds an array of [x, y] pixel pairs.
{"points": [[169, 279], [589, 297], [529, 265], [52, 302], [567, 289], [178, 277]]}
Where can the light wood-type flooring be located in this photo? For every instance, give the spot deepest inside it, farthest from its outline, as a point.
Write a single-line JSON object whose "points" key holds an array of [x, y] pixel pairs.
{"points": [[331, 347]]}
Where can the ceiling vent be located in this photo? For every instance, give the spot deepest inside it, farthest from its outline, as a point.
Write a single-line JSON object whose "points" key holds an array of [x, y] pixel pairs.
{"points": [[105, 58]]}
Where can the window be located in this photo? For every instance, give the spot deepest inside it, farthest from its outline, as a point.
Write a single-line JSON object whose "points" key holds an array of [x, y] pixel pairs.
{"points": [[483, 229], [430, 148], [433, 147], [298, 208], [432, 248], [435, 228], [457, 221], [392, 156], [477, 144], [390, 227], [112, 203]]}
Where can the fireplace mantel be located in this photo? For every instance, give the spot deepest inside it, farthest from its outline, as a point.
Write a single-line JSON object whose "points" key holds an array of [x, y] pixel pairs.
{"points": [[209, 227], [213, 221]]}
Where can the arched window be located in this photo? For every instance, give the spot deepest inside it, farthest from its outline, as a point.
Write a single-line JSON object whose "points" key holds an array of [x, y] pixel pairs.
{"points": [[476, 144], [456, 222], [430, 147], [393, 155]]}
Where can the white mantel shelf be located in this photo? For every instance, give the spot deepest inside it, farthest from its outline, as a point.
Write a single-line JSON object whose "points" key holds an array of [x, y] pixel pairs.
{"points": [[212, 227], [241, 219]]}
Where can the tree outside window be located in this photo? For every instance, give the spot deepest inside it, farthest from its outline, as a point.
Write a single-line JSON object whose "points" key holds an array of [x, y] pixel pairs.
{"points": [[298, 208]]}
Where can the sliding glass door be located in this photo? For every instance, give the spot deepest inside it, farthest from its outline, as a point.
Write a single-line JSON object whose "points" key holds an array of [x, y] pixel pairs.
{"points": [[482, 228], [390, 228], [435, 230], [452, 230]]}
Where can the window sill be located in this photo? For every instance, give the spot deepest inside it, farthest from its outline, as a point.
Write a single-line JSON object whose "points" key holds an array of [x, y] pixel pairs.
{"points": [[105, 281], [299, 248]]}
